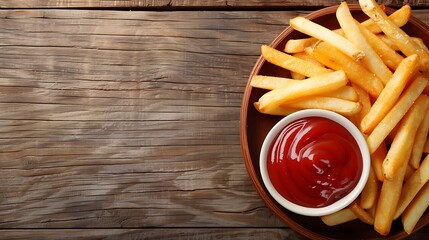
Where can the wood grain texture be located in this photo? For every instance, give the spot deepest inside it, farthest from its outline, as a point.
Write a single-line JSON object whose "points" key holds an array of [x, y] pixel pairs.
{"points": [[190, 4], [127, 119], [154, 233], [118, 119], [166, 234]]}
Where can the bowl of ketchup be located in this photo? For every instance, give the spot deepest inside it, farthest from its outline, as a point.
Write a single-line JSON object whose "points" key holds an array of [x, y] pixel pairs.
{"points": [[314, 162]]}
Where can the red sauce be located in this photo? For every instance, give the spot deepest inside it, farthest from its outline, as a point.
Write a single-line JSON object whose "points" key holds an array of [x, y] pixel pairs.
{"points": [[314, 162]]}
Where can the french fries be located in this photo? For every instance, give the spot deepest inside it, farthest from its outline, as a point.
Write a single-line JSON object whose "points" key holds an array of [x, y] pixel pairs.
{"points": [[382, 130], [369, 193], [298, 45], [311, 86], [394, 166], [391, 92], [377, 159], [356, 73], [270, 83], [280, 111], [292, 63], [422, 134], [362, 214], [346, 93], [317, 31], [365, 100], [412, 186], [340, 217], [352, 30], [392, 45], [396, 154], [396, 34], [303, 56], [377, 76], [338, 105], [399, 17], [416, 209], [390, 57]]}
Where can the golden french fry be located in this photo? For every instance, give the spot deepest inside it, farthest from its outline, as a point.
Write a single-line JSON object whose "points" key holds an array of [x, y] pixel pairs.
{"points": [[340, 217], [395, 165], [377, 159], [391, 92], [392, 45], [395, 33], [412, 186], [353, 33], [308, 87], [291, 63], [297, 76], [422, 134], [279, 111], [392, 163], [416, 209], [420, 42], [357, 74], [400, 17], [298, 45], [390, 192], [270, 83], [303, 56], [390, 57], [341, 106], [370, 191], [372, 210], [345, 93], [361, 214], [364, 100], [315, 30], [388, 42], [344, 107], [407, 98]]}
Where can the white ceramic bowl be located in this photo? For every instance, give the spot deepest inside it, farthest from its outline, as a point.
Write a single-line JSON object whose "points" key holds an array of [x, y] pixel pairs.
{"points": [[339, 204]]}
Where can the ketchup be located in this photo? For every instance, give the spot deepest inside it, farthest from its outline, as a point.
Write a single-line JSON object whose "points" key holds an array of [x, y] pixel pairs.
{"points": [[314, 162]]}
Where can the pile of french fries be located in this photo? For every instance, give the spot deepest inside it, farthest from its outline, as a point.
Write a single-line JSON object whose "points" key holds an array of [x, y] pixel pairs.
{"points": [[376, 75]]}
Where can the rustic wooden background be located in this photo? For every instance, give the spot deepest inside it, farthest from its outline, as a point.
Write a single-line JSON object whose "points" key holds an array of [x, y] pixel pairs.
{"points": [[120, 119], [175, 4]]}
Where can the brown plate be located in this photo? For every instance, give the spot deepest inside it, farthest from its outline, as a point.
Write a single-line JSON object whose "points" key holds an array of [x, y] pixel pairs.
{"points": [[255, 126]]}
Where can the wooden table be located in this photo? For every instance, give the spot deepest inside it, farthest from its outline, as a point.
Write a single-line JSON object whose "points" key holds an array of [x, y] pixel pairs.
{"points": [[120, 119]]}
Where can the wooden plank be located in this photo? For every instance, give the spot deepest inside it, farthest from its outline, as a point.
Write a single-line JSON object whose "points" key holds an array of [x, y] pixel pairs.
{"points": [[174, 4], [154, 233], [166, 233]]}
